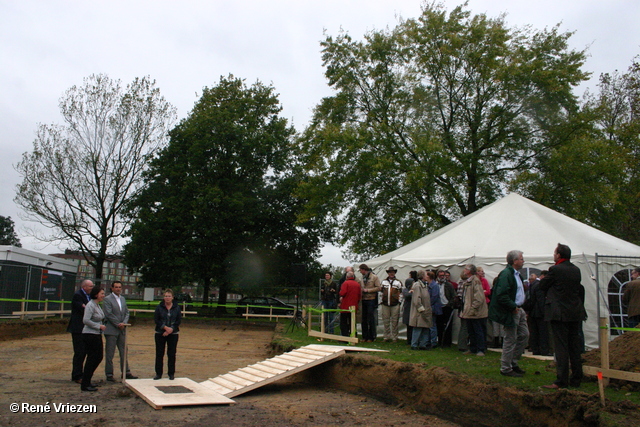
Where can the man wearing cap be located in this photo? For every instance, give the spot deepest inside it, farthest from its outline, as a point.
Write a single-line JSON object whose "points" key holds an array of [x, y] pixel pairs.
{"points": [[391, 289], [370, 287]]}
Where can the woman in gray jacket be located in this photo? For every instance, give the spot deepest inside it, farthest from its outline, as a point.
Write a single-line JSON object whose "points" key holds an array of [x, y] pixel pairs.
{"points": [[92, 336], [420, 318]]}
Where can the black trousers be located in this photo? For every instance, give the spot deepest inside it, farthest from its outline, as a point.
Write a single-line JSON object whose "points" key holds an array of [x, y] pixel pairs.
{"points": [[444, 333], [538, 335], [369, 307], [568, 345], [79, 355], [93, 345], [170, 342], [345, 323]]}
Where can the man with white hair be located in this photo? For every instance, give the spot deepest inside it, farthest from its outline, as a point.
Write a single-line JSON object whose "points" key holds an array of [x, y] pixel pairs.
{"points": [[506, 309], [78, 302]]}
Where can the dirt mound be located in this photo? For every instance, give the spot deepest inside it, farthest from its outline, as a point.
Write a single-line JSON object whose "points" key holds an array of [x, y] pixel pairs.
{"points": [[623, 356], [459, 398]]}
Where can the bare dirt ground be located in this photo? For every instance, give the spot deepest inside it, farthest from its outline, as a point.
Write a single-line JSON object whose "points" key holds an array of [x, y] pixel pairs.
{"points": [[36, 370]]}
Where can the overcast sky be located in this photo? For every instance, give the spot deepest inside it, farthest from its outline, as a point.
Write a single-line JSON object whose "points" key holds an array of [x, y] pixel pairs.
{"points": [[48, 46]]}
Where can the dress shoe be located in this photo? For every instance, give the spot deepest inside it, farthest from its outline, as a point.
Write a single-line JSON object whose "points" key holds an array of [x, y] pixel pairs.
{"points": [[553, 386], [157, 377], [519, 370], [110, 378], [90, 388], [130, 376], [171, 377], [511, 374], [78, 381]]}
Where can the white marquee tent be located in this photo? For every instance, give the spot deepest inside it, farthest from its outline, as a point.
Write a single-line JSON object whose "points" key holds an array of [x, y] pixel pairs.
{"points": [[513, 222]]}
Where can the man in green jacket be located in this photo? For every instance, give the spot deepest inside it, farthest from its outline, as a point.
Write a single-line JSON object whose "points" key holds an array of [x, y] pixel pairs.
{"points": [[506, 308]]}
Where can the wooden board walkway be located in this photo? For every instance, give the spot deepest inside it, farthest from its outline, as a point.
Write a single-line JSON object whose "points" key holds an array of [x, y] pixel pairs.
{"points": [[221, 389], [178, 392]]}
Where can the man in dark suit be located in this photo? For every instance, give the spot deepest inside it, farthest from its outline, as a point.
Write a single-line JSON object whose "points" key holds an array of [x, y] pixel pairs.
{"points": [[80, 299], [116, 315], [564, 309], [538, 327]]}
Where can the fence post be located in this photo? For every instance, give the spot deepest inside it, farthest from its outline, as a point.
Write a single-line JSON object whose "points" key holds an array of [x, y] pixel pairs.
{"points": [[22, 309], [61, 309], [353, 323], [604, 347], [46, 307]]}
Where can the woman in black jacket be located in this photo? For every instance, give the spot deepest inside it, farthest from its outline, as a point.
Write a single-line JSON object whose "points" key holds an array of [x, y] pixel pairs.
{"points": [[167, 317]]}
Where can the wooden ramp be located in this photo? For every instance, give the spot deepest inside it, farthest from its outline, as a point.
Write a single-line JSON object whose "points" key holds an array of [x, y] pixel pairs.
{"points": [[262, 373], [220, 390]]}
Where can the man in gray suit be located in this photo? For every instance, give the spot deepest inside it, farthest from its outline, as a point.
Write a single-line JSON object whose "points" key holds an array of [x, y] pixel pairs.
{"points": [[116, 315]]}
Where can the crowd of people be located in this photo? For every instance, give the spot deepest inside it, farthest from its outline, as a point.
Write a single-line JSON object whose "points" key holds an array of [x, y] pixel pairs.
{"points": [[544, 313], [93, 314]]}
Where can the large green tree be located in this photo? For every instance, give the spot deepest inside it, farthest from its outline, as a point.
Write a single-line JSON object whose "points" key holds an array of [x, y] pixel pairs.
{"points": [[594, 176], [8, 235], [79, 175], [430, 121], [218, 206]]}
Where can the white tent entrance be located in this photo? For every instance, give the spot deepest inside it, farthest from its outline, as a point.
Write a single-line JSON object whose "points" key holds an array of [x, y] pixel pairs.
{"points": [[513, 222]]}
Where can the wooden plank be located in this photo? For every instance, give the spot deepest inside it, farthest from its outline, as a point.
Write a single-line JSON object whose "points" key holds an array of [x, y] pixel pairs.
{"points": [[216, 387], [333, 337], [285, 365], [322, 352], [278, 316], [277, 365], [43, 313], [612, 373], [302, 355], [225, 383], [346, 348], [148, 390], [282, 375], [285, 362], [267, 369], [256, 372], [247, 376], [288, 356], [230, 376], [146, 310]]}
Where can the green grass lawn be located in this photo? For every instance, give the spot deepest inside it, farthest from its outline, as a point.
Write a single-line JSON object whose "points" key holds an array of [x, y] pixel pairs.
{"points": [[487, 368]]}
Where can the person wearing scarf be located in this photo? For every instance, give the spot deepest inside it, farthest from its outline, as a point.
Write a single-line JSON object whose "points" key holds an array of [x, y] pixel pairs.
{"points": [[564, 309]]}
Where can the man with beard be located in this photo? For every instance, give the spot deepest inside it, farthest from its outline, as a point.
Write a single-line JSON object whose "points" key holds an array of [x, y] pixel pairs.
{"points": [[391, 290]]}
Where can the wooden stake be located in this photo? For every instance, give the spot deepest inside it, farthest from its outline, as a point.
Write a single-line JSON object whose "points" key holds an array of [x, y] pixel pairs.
{"points": [[601, 387]]}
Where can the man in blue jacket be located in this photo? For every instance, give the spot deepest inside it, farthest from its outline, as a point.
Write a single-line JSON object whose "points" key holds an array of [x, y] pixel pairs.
{"points": [[506, 308]]}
